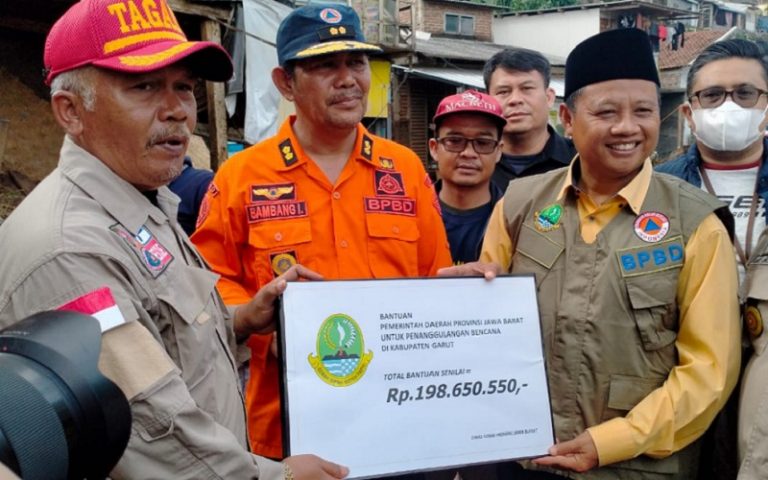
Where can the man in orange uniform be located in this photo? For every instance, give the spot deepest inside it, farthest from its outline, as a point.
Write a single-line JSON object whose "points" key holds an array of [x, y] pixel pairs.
{"points": [[323, 192]]}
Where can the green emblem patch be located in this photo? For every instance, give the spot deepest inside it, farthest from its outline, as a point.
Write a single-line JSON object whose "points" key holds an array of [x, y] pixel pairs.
{"points": [[549, 218], [341, 359]]}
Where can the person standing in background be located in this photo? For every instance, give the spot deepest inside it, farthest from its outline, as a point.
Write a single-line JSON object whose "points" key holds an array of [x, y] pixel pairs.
{"points": [[726, 110], [519, 80], [466, 148]]}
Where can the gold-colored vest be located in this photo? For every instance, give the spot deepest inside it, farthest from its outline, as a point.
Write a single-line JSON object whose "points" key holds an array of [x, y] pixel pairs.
{"points": [[608, 309]]}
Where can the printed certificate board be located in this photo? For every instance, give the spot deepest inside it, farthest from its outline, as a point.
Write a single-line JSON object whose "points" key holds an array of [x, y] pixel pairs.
{"points": [[394, 376]]}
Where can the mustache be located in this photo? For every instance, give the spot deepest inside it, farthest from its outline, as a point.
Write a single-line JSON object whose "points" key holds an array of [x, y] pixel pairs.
{"points": [[178, 133], [355, 94]]}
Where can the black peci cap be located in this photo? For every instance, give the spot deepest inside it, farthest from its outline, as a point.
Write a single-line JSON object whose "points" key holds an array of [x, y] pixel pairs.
{"points": [[612, 55]]}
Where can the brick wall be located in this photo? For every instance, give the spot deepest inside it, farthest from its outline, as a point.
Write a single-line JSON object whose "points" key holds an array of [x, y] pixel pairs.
{"points": [[433, 18]]}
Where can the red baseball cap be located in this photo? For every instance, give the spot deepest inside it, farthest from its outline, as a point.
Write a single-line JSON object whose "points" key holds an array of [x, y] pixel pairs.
{"points": [[470, 101], [132, 36]]}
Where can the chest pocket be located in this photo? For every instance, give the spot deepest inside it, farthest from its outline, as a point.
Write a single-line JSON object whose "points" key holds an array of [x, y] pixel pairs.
{"points": [[267, 239], [393, 245], [652, 297], [535, 253], [279, 234], [189, 320]]}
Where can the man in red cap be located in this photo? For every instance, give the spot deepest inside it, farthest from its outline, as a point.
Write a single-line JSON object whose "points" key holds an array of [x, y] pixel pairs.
{"points": [[467, 148], [323, 192], [99, 235]]}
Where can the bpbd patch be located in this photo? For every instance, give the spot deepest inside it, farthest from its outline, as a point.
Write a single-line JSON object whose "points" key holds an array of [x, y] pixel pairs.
{"points": [[389, 183], [330, 15], [652, 258], [651, 226], [205, 209], [152, 254], [390, 205], [341, 359]]}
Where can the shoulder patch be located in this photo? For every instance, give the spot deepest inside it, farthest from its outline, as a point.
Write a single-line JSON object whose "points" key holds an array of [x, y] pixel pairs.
{"points": [[287, 152], [386, 163], [100, 304], [435, 199], [151, 253], [205, 209], [652, 258], [428, 181], [366, 150]]}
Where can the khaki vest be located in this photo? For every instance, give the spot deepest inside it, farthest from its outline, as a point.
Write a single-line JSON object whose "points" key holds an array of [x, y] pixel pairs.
{"points": [[608, 310]]}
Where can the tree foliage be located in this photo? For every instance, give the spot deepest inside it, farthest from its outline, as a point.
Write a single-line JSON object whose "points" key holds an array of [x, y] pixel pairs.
{"points": [[516, 5]]}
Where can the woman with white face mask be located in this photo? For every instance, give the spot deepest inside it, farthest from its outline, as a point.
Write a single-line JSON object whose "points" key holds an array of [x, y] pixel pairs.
{"points": [[726, 110]]}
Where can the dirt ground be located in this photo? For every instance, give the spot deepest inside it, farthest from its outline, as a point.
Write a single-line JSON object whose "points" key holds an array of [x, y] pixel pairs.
{"points": [[32, 138]]}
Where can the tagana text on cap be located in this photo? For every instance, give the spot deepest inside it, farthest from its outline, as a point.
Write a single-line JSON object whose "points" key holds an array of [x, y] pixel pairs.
{"points": [[320, 29], [470, 101], [622, 54], [131, 36]]}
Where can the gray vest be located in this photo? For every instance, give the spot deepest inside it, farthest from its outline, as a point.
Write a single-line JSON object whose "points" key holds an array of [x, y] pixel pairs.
{"points": [[608, 309]]}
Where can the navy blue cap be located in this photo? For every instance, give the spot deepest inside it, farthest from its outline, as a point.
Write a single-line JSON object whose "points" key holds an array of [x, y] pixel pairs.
{"points": [[612, 55], [320, 29]]}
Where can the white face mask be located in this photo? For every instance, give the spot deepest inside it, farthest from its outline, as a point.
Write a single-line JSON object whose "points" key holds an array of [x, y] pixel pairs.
{"points": [[729, 127]]}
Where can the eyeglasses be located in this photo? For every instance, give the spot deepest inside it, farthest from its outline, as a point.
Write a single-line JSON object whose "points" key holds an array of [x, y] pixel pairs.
{"points": [[745, 96], [459, 144]]}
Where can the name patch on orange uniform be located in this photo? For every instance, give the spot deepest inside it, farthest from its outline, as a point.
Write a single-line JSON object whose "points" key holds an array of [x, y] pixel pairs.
{"points": [[279, 210], [390, 205]]}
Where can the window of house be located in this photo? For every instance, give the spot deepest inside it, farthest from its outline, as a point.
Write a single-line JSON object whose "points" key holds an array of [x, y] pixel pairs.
{"points": [[460, 24]]}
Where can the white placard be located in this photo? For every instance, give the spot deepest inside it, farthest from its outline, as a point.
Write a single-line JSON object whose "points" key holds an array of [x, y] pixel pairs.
{"points": [[389, 376]]}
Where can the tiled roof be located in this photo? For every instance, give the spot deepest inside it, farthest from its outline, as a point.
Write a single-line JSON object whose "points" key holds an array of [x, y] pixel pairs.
{"points": [[695, 43]]}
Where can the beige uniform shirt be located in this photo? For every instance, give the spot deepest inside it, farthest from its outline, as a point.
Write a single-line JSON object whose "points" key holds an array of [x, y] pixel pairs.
{"points": [[85, 230], [753, 405]]}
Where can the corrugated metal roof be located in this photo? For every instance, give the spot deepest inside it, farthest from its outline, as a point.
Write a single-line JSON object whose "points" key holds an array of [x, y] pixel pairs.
{"points": [[735, 7], [466, 78], [461, 49]]}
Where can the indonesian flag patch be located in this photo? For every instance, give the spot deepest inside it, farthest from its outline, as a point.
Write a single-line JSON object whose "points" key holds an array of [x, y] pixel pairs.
{"points": [[100, 304]]}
